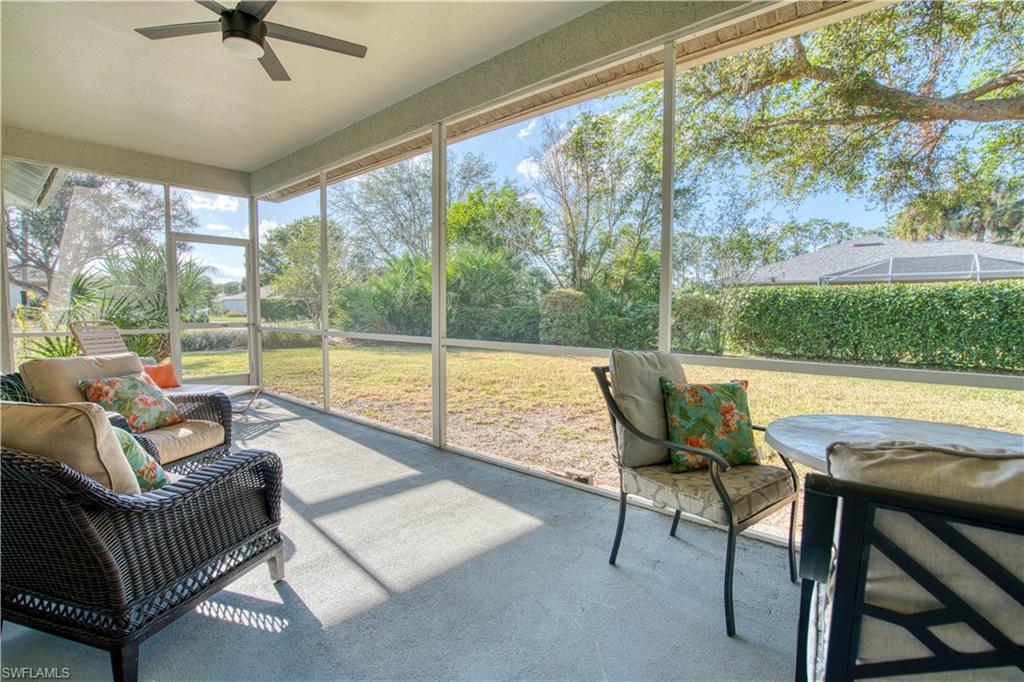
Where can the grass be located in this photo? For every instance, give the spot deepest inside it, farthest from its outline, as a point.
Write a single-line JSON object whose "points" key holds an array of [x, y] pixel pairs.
{"points": [[547, 412]]}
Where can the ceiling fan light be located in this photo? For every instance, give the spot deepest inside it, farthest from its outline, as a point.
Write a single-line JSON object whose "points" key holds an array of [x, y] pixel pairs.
{"points": [[243, 47]]}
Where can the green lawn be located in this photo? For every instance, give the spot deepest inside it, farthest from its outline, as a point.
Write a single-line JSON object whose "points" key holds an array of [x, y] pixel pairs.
{"points": [[546, 411]]}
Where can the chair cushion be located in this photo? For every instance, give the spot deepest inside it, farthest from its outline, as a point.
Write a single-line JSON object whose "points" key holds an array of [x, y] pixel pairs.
{"points": [[148, 472], [635, 379], [713, 417], [989, 477], [185, 439], [752, 488], [77, 434], [136, 398], [55, 380]]}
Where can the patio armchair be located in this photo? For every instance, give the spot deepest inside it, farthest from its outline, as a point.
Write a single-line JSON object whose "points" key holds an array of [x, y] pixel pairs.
{"points": [[108, 569], [735, 497], [911, 562]]}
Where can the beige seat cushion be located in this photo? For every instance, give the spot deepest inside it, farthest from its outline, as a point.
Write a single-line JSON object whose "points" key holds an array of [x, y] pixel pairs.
{"points": [[77, 434], [752, 488], [989, 477], [55, 380], [635, 384], [185, 439]]}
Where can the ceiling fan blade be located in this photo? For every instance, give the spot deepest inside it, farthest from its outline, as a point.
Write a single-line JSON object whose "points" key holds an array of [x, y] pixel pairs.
{"points": [[297, 35], [256, 8], [272, 65], [179, 30], [213, 6]]}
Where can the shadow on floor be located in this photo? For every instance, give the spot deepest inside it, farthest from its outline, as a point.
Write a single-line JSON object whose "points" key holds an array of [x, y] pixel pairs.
{"points": [[407, 562]]}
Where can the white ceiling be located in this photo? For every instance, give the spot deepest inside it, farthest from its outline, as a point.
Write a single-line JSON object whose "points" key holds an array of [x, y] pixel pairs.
{"points": [[78, 69]]}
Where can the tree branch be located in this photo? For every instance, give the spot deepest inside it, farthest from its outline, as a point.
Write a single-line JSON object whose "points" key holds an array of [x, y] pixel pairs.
{"points": [[990, 85], [860, 89]]}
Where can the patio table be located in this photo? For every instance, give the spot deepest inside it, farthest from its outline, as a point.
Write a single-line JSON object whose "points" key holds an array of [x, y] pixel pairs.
{"points": [[805, 438]]}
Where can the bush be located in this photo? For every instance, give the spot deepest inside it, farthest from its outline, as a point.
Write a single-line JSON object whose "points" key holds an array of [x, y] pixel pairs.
{"points": [[518, 322], [395, 300], [279, 340], [563, 318], [615, 323], [282, 310], [214, 339], [957, 326], [698, 322]]}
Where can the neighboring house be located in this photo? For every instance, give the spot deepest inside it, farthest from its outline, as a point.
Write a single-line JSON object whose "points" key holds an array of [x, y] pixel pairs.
{"points": [[238, 303], [233, 303], [879, 259]]}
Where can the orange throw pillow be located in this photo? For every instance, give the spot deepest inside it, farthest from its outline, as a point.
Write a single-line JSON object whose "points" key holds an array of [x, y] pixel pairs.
{"points": [[162, 375]]}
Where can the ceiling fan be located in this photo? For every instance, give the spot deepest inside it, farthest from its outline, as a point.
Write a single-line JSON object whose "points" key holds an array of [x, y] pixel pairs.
{"points": [[244, 33]]}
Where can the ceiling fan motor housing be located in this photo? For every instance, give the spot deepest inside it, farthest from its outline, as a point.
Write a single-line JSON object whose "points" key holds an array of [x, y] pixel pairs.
{"points": [[235, 24]]}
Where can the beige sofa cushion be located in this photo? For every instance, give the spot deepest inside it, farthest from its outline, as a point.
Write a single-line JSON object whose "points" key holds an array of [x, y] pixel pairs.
{"points": [[634, 379], [990, 477], [77, 434], [185, 439], [55, 380]]}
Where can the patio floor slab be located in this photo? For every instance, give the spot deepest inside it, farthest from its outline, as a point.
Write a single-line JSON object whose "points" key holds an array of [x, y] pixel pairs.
{"points": [[407, 562]]}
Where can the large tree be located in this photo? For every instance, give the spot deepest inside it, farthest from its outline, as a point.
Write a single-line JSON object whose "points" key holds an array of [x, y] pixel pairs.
{"points": [[890, 106], [290, 263], [600, 194], [89, 218], [386, 213]]}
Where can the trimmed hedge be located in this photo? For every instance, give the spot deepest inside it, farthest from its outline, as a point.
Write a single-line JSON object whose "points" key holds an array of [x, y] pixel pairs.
{"points": [[698, 323], [960, 326], [563, 318], [518, 322]]}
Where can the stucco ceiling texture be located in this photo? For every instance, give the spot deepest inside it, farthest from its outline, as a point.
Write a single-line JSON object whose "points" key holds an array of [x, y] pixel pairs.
{"points": [[79, 70]]}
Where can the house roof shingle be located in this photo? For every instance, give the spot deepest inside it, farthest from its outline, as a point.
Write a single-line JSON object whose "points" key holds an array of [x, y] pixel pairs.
{"points": [[880, 259]]}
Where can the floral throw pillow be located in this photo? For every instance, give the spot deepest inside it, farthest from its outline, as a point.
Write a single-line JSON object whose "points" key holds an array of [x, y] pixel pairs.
{"points": [[712, 417], [148, 472], [135, 397]]}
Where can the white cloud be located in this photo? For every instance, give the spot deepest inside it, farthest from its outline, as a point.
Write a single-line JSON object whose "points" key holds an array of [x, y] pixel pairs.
{"points": [[528, 167], [225, 273], [527, 131], [212, 202], [269, 225], [218, 228]]}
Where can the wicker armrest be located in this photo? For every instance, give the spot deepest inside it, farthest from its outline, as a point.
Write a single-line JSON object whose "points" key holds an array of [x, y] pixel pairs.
{"points": [[214, 407], [169, 532]]}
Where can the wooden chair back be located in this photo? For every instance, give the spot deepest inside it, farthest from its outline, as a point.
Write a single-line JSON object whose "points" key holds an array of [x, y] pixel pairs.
{"points": [[98, 337]]}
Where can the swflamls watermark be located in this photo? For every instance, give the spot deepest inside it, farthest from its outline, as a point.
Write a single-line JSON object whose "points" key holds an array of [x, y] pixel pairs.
{"points": [[30, 673]]}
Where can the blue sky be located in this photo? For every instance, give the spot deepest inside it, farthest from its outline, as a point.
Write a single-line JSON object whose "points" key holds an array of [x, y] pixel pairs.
{"points": [[510, 149]]}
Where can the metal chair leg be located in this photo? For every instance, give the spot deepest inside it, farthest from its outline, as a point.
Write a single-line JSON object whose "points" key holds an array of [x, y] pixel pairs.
{"points": [[618, 531], [792, 542], [730, 562], [255, 395], [675, 524]]}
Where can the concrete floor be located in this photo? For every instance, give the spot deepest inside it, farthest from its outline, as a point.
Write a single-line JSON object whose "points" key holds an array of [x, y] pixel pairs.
{"points": [[405, 562]]}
